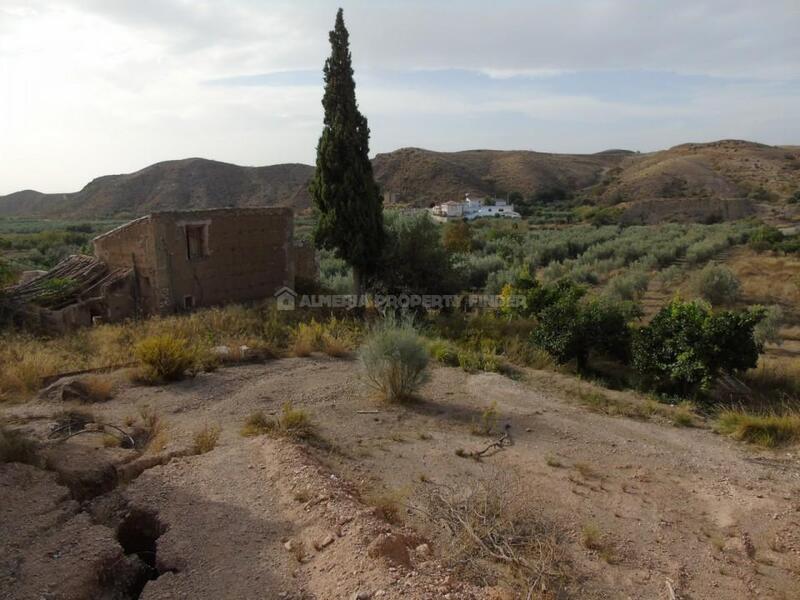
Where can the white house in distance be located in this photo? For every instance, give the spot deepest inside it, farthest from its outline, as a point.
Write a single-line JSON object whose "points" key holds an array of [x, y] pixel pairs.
{"points": [[471, 208]]}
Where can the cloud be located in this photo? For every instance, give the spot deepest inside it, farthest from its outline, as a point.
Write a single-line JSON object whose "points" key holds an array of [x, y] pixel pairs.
{"points": [[97, 86]]}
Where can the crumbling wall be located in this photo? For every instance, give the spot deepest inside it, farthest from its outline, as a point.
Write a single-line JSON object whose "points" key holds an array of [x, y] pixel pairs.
{"points": [[133, 245], [247, 254]]}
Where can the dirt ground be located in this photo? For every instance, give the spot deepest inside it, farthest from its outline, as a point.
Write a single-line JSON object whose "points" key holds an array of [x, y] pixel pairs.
{"points": [[674, 512]]}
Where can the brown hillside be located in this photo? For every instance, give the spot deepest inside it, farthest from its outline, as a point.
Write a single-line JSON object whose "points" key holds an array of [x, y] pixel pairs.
{"points": [[422, 176], [724, 169], [181, 184], [695, 182]]}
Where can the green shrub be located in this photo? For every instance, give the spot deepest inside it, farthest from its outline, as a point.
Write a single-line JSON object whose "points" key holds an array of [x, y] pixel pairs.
{"points": [[686, 346], [628, 286], [395, 360], [768, 328], [571, 330], [164, 358], [414, 260], [469, 360], [443, 352], [483, 359], [717, 284]]}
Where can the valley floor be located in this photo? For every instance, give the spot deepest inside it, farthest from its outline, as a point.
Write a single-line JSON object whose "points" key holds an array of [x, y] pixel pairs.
{"points": [[639, 509]]}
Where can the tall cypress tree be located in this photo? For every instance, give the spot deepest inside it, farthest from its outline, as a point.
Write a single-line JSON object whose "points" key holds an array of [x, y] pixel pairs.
{"points": [[343, 188]]}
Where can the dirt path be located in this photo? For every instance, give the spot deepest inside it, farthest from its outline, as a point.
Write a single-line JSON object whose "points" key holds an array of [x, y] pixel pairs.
{"points": [[714, 518]]}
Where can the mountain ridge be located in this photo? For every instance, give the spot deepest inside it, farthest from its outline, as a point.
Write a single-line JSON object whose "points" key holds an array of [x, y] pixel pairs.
{"points": [[690, 172]]}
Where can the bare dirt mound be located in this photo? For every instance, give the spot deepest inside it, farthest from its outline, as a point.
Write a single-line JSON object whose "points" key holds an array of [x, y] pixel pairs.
{"points": [[607, 507], [699, 174]]}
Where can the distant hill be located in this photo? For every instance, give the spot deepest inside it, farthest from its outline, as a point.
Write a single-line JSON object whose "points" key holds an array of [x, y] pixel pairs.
{"points": [[728, 169], [178, 184], [724, 179], [422, 176]]}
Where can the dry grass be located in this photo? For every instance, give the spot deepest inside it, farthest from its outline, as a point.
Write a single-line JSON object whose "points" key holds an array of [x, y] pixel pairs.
{"points": [[291, 422], [522, 352], [150, 432], [593, 539], [294, 422], [680, 415], [493, 534], [26, 360], [257, 424], [775, 379], [98, 388], [768, 279], [766, 430], [488, 421], [205, 439], [552, 461], [336, 338], [164, 358], [335, 347], [388, 504]]}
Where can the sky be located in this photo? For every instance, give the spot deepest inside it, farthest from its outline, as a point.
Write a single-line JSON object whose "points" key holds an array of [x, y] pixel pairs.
{"points": [[95, 87]]}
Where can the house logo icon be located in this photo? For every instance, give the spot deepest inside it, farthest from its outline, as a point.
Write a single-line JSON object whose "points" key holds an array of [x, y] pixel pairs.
{"points": [[285, 298]]}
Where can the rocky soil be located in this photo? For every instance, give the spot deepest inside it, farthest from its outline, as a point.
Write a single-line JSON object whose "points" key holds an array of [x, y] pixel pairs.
{"points": [[671, 512]]}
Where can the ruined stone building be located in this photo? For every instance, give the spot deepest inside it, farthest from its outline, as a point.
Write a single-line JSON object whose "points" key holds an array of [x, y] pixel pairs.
{"points": [[168, 262]]}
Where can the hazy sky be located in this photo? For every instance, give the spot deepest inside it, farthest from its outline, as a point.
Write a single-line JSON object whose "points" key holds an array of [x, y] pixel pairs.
{"points": [[93, 87]]}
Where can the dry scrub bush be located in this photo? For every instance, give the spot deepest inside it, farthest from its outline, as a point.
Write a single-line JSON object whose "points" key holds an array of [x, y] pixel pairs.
{"points": [[97, 388], [164, 358], [395, 360], [257, 424], [768, 430], [388, 504], [150, 431], [487, 423], [26, 361], [291, 422], [521, 352], [777, 379], [492, 534], [205, 439], [336, 337]]}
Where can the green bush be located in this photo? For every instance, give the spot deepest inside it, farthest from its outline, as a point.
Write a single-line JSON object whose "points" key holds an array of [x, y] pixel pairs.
{"points": [[395, 360], [717, 284], [628, 286], [768, 329], [443, 352], [484, 358], [686, 346], [414, 260], [164, 358], [571, 329], [469, 360]]}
